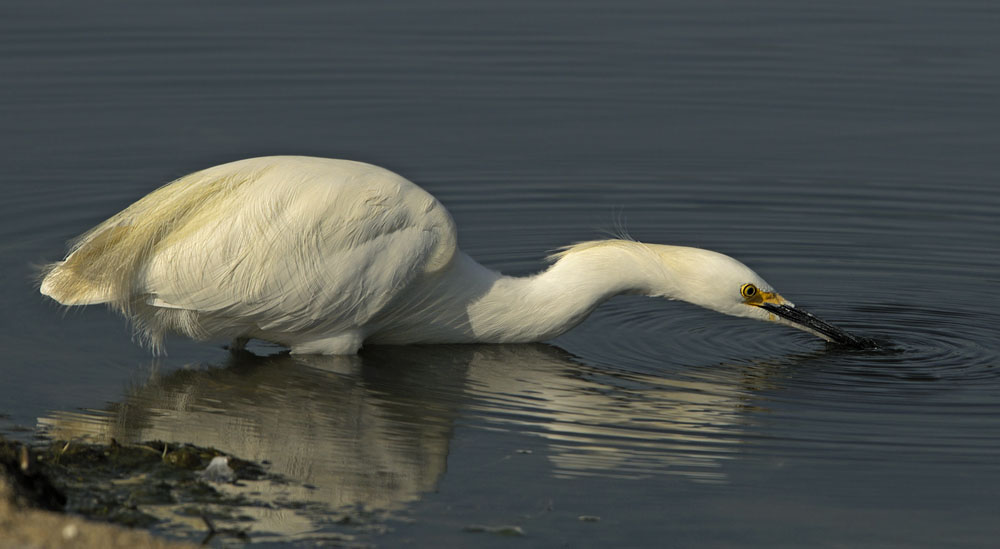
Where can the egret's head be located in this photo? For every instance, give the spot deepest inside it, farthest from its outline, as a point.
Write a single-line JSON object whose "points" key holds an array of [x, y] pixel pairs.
{"points": [[721, 283]]}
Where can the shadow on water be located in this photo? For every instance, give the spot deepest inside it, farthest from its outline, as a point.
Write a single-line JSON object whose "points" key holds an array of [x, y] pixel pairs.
{"points": [[373, 432]]}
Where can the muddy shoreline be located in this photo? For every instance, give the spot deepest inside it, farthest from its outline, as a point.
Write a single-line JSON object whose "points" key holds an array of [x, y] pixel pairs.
{"points": [[71, 494]]}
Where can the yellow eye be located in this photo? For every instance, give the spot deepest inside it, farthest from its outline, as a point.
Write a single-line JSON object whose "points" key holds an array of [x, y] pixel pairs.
{"points": [[748, 290]]}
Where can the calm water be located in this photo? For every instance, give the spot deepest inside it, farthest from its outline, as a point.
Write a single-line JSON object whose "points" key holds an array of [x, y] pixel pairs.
{"points": [[847, 152]]}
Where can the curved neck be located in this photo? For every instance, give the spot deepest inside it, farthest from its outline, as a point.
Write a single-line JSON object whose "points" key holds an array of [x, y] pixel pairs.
{"points": [[545, 305], [468, 302]]}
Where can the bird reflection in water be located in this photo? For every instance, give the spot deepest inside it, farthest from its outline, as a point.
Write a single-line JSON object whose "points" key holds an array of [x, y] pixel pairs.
{"points": [[373, 430]]}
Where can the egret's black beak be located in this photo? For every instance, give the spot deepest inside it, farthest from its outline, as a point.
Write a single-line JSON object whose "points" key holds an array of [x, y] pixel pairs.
{"points": [[813, 324]]}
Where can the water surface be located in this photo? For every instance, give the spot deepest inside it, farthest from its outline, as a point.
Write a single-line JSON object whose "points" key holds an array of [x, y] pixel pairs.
{"points": [[846, 152]]}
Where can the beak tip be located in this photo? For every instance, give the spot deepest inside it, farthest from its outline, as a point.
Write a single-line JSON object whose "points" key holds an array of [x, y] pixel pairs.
{"points": [[860, 343], [810, 323]]}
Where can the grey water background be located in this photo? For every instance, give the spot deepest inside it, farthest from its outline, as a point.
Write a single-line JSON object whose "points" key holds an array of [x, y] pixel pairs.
{"points": [[846, 151]]}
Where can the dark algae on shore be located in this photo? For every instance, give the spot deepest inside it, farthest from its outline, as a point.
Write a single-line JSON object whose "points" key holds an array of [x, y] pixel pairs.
{"points": [[126, 485], [177, 491]]}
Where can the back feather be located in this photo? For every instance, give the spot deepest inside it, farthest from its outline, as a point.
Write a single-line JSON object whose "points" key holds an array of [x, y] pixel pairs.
{"points": [[103, 264]]}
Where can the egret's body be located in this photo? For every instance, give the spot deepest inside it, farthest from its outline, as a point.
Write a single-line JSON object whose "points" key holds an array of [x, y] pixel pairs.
{"points": [[324, 255]]}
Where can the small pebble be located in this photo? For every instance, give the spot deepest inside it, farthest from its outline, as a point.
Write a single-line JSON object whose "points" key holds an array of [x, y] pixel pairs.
{"points": [[70, 531], [218, 470]]}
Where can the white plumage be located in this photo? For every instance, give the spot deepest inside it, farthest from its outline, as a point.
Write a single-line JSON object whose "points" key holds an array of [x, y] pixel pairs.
{"points": [[324, 255]]}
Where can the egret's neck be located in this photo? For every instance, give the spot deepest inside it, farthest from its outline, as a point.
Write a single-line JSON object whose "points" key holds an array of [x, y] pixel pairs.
{"points": [[470, 303], [545, 305]]}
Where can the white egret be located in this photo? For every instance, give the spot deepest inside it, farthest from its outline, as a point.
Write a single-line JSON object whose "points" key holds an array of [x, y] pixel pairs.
{"points": [[325, 255]]}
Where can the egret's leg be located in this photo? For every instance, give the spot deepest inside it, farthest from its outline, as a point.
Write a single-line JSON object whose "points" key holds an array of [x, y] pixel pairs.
{"points": [[238, 344]]}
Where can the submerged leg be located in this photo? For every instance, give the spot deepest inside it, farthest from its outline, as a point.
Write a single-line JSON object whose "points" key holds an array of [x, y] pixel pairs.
{"points": [[238, 344]]}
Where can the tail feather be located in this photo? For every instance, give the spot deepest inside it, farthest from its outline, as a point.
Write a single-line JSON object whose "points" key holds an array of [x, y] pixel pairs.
{"points": [[65, 287], [105, 262], [76, 281]]}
